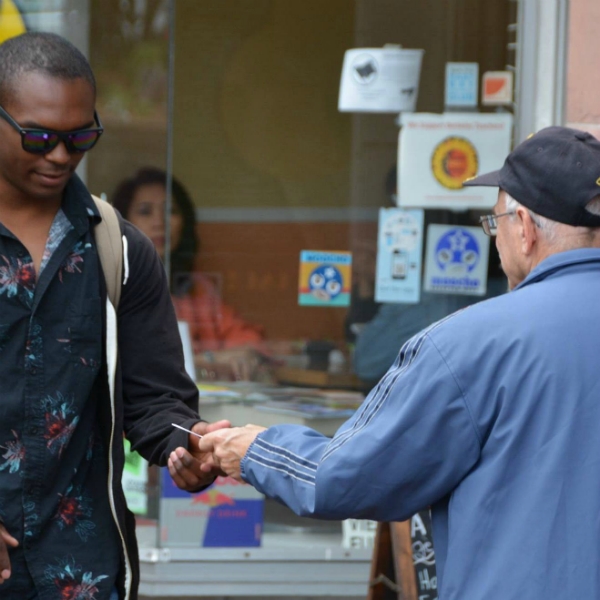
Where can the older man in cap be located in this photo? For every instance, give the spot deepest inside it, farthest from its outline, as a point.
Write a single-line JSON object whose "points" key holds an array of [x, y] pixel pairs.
{"points": [[490, 416]]}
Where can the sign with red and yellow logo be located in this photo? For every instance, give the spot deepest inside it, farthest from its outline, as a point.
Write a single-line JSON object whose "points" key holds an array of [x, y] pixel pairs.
{"points": [[438, 152], [454, 160]]}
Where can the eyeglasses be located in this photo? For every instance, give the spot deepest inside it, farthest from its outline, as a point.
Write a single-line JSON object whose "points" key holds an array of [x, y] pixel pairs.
{"points": [[43, 141], [489, 224]]}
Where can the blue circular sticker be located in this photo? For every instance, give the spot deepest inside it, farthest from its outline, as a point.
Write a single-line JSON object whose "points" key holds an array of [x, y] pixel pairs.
{"points": [[325, 282], [457, 250]]}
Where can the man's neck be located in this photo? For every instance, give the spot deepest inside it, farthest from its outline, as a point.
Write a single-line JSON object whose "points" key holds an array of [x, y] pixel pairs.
{"points": [[16, 206]]}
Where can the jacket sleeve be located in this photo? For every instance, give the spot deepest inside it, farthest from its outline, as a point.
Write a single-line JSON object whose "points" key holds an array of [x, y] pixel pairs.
{"points": [[155, 386], [408, 445]]}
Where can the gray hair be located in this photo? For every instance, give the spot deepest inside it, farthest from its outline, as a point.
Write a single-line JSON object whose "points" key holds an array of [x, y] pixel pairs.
{"points": [[560, 234], [40, 52]]}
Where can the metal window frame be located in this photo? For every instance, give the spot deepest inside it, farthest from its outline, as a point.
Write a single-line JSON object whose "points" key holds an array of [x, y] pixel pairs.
{"points": [[542, 34]]}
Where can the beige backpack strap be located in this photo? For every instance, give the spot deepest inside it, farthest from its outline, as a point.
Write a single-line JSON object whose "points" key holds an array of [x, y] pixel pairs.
{"points": [[109, 243]]}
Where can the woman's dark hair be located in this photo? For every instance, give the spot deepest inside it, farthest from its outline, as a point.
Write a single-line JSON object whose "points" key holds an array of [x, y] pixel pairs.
{"points": [[182, 257]]}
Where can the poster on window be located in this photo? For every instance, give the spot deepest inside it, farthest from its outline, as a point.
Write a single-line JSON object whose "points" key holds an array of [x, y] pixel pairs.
{"points": [[437, 153], [399, 249], [456, 260], [325, 278], [380, 80]]}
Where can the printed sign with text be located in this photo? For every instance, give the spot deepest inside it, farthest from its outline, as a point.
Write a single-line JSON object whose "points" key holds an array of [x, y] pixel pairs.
{"points": [[399, 249], [462, 83], [380, 80], [437, 153], [325, 278], [456, 260]]}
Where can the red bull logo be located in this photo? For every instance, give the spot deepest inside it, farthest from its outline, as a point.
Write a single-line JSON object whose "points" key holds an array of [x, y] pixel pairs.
{"points": [[212, 498]]}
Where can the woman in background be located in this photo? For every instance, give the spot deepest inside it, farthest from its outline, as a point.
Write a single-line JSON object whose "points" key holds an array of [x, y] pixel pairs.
{"points": [[220, 337]]}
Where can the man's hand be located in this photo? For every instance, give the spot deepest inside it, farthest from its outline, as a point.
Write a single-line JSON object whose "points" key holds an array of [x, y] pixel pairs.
{"points": [[5, 540], [227, 447], [190, 468]]}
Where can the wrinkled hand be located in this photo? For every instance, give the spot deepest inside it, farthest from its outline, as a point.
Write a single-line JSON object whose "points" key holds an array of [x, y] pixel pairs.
{"points": [[190, 468], [5, 540], [227, 447]]}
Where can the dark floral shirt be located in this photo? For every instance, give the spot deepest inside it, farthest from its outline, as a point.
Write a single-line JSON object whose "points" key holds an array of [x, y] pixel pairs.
{"points": [[53, 464]]}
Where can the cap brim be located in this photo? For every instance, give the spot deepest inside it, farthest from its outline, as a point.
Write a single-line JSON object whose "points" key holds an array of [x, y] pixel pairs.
{"points": [[487, 179]]}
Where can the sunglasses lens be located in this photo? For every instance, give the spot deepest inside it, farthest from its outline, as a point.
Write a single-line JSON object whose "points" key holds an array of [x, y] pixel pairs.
{"points": [[83, 141], [39, 142]]}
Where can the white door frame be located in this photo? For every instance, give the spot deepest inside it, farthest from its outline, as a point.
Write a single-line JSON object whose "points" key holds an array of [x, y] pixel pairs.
{"points": [[541, 60]]}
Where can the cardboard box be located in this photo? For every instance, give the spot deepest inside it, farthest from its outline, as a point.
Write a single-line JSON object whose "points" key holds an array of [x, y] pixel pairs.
{"points": [[226, 514]]}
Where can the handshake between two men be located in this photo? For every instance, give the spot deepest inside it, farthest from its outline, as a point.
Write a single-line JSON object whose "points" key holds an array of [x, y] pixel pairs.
{"points": [[216, 449]]}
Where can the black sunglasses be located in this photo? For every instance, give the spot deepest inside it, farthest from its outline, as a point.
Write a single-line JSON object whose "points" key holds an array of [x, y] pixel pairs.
{"points": [[42, 141]]}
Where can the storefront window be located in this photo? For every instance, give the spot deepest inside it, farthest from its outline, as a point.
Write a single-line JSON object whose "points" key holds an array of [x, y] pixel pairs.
{"points": [[274, 169], [264, 167]]}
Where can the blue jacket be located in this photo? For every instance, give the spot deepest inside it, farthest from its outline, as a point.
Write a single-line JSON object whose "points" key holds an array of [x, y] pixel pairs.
{"points": [[491, 417]]}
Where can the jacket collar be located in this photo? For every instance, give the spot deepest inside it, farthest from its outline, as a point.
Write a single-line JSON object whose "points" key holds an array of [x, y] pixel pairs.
{"points": [[560, 261], [78, 205]]}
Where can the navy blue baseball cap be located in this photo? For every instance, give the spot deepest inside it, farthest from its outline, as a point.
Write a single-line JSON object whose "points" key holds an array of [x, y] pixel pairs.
{"points": [[555, 173]]}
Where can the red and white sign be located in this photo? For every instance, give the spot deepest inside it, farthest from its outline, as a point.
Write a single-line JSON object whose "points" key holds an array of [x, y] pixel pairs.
{"points": [[497, 88]]}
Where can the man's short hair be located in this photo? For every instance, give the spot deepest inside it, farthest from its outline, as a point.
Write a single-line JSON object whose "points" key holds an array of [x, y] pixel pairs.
{"points": [[40, 52]]}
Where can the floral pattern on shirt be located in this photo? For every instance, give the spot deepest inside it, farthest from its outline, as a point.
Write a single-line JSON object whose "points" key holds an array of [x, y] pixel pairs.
{"points": [[61, 420], [17, 276], [72, 582], [73, 508], [73, 262], [15, 453], [53, 478]]}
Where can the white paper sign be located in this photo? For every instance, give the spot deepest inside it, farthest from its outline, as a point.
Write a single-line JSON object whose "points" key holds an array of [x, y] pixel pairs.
{"points": [[456, 260], [437, 153], [399, 249], [358, 533], [380, 80]]}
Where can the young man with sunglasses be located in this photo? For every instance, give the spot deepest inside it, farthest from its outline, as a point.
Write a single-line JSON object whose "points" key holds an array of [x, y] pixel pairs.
{"points": [[490, 416], [64, 526]]}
